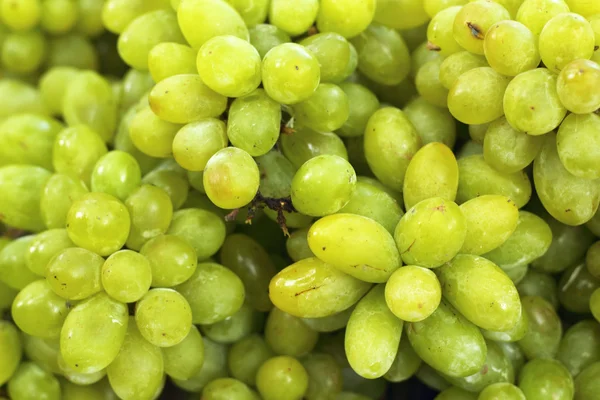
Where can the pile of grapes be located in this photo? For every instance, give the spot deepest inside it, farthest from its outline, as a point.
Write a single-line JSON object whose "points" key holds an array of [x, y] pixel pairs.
{"points": [[299, 199]]}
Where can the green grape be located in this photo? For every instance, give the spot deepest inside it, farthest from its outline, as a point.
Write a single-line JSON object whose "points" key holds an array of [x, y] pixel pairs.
{"points": [[333, 52], [250, 261], [333, 344], [213, 367], [536, 13], [167, 59], [77, 377], [586, 383], [577, 147], [135, 87], [331, 323], [44, 352], [573, 82], [517, 273], [571, 200], [116, 173], [455, 393], [96, 391], [431, 378], [290, 73], [529, 241], [92, 334], [293, 18], [53, 86], [593, 225], [202, 229], [253, 12], [75, 273], [592, 259], [428, 83], [172, 260], [98, 222], [7, 295], [514, 354], [431, 233], [297, 245], [197, 142], [282, 378], [136, 373], [501, 391], [228, 389], [305, 144], [347, 18], [539, 284], [172, 183], [382, 55], [72, 50], [24, 52], [126, 276], [12, 349], [241, 324], [355, 147], [433, 124], [583, 7], [594, 304], [264, 37], [289, 335], [58, 16], [542, 340], [13, 268], [473, 22], [164, 317], [151, 135], [390, 142], [576, 287], [432, 7], [253, 123], [413, 293], [420, 56], [412, 12], [457, 64], [213, 293], [405, 365], [464, 350], [202, 20], [311, 288], [519, 330], [276, 174], [511, 48], [542, 379], [580, 346], [325, 111], [246, 356], [18, 97], [20, 15], [38, 311], [118, 14], [315, 176], [362, 104], [565, 38], [440, 32], [30, 381], [45, 246], [325, 376], [90, 18], [123, 142], [151, 211], [185, 359]]}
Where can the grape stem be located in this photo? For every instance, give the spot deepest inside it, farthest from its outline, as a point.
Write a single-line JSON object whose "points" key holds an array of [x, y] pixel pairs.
{"points": [[280, 205]]}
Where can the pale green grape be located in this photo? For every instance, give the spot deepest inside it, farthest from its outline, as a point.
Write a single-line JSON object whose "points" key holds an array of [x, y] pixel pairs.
{"points": [[126, 276], [13, 269], [334, 54], [169, 58], [53, 86], [457, 64], [116, 173], [531, 102], [253, 123], [565, 38], [195, 143], [510, 48], [405, 365], [45, 246], [473, 22], [382, 55], [388, 13], [348, 17], [89, 22], [297, 244], [44, 352], [30, 381], [20, 15], [432, 7], [123, 142], [202, 229], [290, 73], [574, 83], [75, 273], [172, 260], [172, 183], [265, 36], [228, 389], [246, 356], [253, 12], [12, 349], [72, 50], [118, 14], [97, 391], [58, 16], [282, 378], [413, 293], [98, 222], [477, 132], [534, 14], [325, 111], [305, 144], [23, 53], [428, 83], [18, 97], [136, 373], [185, 359], [575, 288], [578, 145], [289, 335], [542, 378], [236, 327], [151, 211], [592, 259], [7, 295], [331, 323], [78, 377], [293, 18], [213, 367], [542, 340], [420, 56], [433, 124], [135, 87], [202, 20], [539, 284], [585, 8], [325, 376], [151, 135], [440, 32]]}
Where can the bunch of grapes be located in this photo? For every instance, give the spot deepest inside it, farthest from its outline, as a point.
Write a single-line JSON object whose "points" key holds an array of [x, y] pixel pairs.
{"points": [[307, 199]]}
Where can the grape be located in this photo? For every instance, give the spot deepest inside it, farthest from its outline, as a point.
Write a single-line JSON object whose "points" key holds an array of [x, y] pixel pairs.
{"points": [[542, 340], [501, 391], [575, 131], [23, 98], [293, 18], [126, 276], [334, 54], [174, 184], [542, 378], [565, 38], [325, 376], [90, 18], [151, 135], [347, 17], [331, 323], [473, 22], [583, 7], [253, 123], [264, 37], [31, 381], [13, 269], [413, 293], [118, 14], [592, 259], [428, 83], [253, 12], [432, 7], [297, 245], [228, 388], [7, 295], [196, 142], [325, 111], [53, 85], [58, 16], [454, 393], [521, 327], [305, 144], [116, 173], [586, 382], [214, 367], [576, 287], [78, 377], [23, 52], [72, 50], [167, 59], [45, 246], [382, 55], [241, 324], [202, 229], [405, 364], [171, 260], [539, 284], [185, 359], [572, 83], [433, 124], [420, 56], [510, 48], [288, 335], [135, 86], [12, 349], [75, 273], [20, 15], [44, 352], [290, 73], [138, 369], [457, 64], [246, 356], [440, 32], [534, 14], [282, 378], [412, 12], [97, 391], [579, 346]]}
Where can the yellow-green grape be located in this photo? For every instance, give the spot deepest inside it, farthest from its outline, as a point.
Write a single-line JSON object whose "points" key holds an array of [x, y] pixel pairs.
{"points": [[202, 229], [355, 146], [78, 377], [331, 323], [455, 393], [325, 111], [413, 293], [167, 59], [21, 188], [595, 304], [536, 13], [420, 56], [151, 135], [464, 351], [23, 52], [12, 349], [213, 293], [213, 367], [30, 381], [518, 331], [253, 12], [118, 14], [325, 376], [93, 333], [573, 85], [388, 13], [473, 22], [241, 324], [293, 18], [126, 276], [253, 123], [38, 311], [514, 354], [592, 259], [185, 359], [390, 142], [501, 391], [246, 356], [141, 358], [311, 288], [583, 7], [290, 73], [116, 173], [348, 18], [195, 143], [53, 86], [89, 22], [428, 83], [150, 210], [228, 389], [172, 183], [18, 97], [329, 176], [440, 32], [580, 346], [135, 86], [477, 132], [542, 340], [432, 378], [252, 264], [13, 270], [334, 54], [265, 36], [297, 245], [58, 16], [544, 378], [7, 295], [477, 178], [98, 222], [431, 233], [575, 288], [357, 245], [586, 384], [20, 15], [184, 98], [510, 48], [289, 335], [577, 145], [97, 391], [172, 260], [382, 55], [457, 64], [276, 175], [202, 20], [89, 100], [163, 317], [539, 284], [122, 140], [43, 352], [491, 220], [489, 299], [405, 365], [282, 378], [570, 199], [517, 273], [305, 144], [593, 225], [362, 104], [565, 38], [432, 7], [433, 124], [72, 50], [75, 273]]}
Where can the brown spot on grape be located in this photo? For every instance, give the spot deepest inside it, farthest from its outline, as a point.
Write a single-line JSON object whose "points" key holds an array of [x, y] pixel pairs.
{"points": [[532, 108], [433, 47], [476, 31], [420, 305], [596, 48], [441, 208], [306, 290], [324, 248], [409, 247], [568, 210], [296, 67], [484, 369]]}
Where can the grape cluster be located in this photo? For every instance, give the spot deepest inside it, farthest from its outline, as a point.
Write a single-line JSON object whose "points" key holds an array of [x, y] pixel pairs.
{"points": [[308, 199]]}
